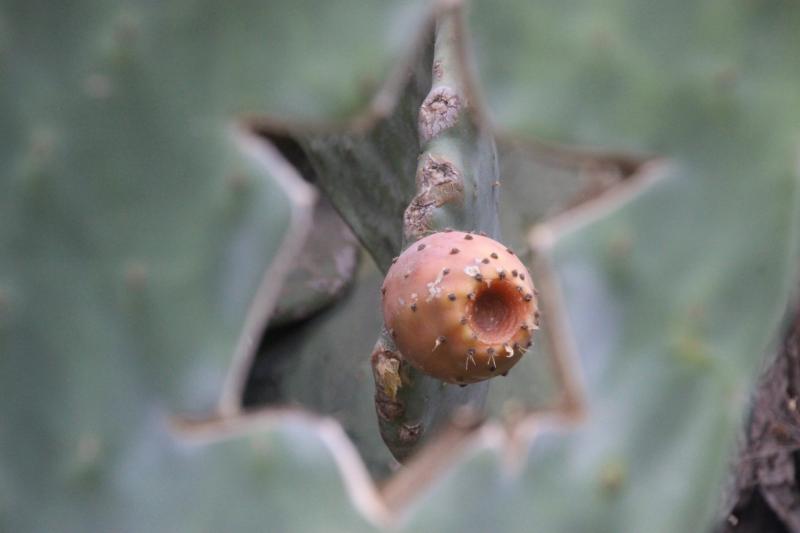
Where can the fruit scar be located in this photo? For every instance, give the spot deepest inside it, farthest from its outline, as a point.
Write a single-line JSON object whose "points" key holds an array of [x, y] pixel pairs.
{"points": [[460, 307]]}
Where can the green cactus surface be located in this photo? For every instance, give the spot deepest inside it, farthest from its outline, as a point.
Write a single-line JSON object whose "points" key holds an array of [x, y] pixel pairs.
{"points": [[138, 218], [674, 285], [149, 217], [323, 270], [375, 157], [320, 365]]}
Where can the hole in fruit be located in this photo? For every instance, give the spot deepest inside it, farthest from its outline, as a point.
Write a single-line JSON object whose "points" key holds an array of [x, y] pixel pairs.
{"points": [[497, 312]]}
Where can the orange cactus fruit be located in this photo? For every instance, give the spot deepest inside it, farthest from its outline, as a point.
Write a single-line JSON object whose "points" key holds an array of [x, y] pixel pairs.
{"points": [[461, 307]]}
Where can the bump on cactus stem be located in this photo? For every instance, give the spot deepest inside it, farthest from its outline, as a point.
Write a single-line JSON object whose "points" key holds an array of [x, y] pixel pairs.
{"points": [[439, 182], [439, 111]]}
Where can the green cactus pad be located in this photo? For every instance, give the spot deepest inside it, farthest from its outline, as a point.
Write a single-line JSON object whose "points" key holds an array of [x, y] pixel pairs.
{"points": [[138, 217], [137, 220]]}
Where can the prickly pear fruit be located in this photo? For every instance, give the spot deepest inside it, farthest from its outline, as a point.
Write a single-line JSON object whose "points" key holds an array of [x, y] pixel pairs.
{"points": [[460, 307]]}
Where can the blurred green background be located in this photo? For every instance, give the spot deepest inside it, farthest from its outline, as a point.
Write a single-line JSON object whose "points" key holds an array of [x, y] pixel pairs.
{"points": [[152, 206]]}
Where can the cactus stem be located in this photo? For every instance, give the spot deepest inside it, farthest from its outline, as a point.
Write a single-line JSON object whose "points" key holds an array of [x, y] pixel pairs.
{"points": [[453, 177]]}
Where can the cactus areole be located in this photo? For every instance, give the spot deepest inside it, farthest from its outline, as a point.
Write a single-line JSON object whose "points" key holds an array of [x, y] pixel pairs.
{"points": [[460, 307]]}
